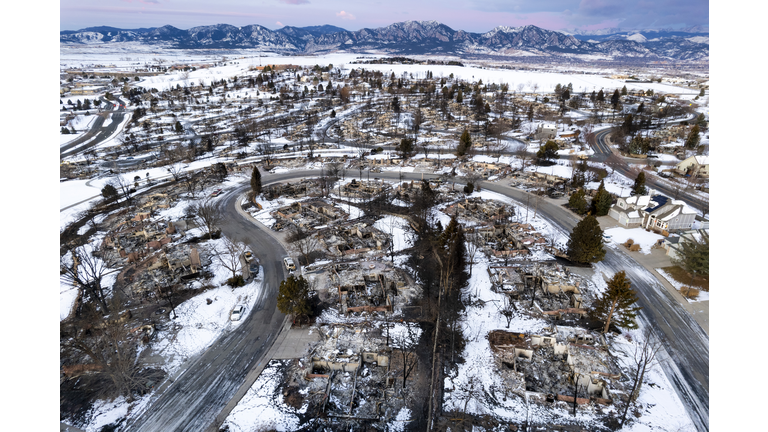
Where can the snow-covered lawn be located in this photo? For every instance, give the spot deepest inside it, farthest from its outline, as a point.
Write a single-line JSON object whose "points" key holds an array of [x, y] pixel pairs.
{"points": [[640, 236], [394, 225], [262, 407]]}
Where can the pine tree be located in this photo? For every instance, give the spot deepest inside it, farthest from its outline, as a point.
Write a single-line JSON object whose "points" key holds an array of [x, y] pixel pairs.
{"points": [[616, 305], [615, 98], [578, 202], [586, 242], [624, 91], [293, 297], [693, 138], [465, 143], [256, 181], [601, 202], [693, 256], [639, 187], [460, 97]]}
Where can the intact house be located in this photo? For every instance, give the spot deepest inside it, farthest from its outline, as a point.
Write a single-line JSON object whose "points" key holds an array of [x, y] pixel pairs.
{"points": [[694, 165], [655, 212], [545, 131]]}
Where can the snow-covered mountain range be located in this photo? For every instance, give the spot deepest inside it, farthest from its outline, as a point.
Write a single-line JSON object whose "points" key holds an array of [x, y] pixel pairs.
{"points": [[416, 37]]}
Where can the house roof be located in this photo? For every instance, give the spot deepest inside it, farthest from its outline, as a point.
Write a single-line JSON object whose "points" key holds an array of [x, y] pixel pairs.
{"points": [[638, 200], [656, 202], [702, 160]]}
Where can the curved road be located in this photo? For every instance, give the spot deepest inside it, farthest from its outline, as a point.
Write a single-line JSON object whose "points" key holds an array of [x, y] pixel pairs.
{"points": [[603, 151], [192, 401], [97, 134]]}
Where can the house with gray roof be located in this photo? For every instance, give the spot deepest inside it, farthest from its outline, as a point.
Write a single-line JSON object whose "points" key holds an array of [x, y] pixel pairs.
{"points": [[655, 212]]}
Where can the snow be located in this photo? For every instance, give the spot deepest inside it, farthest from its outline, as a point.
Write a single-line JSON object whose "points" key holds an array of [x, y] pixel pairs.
{"points": [[260, 410], [395, 225], [640, 236], [202, 323]]}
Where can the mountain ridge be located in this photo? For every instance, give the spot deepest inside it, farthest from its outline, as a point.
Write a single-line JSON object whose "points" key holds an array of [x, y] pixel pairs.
{"points": [[412, 37]]}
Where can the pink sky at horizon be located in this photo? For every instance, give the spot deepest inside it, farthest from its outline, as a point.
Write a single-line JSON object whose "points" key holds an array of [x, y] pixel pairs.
{"points": [[464, 15]]}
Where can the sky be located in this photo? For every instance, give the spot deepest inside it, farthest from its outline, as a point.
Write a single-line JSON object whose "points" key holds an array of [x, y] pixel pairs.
{"points": [[470, 15]]}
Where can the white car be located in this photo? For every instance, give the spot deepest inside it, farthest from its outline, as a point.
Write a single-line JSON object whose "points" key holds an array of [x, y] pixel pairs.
{"points": [[248, 255], [237, 313], [289, 264]]}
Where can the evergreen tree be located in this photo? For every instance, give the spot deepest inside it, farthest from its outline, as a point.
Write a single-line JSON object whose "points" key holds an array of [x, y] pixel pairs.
{"points": [[109, 193], [601, 202], [465, 143], [333, 113], [615, 98], [600, 96], [616, 305], [548, 152], [586, 242], [459, 97], [179, 128], [64, 130], [406, 148], [639, 187], [256, 181], [701, 121], [693, 138], [529, 114], [293, 297], [578, 202], [693, 256], [624, 91]]}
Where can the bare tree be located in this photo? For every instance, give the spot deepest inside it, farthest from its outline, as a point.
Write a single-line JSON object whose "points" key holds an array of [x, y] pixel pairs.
{"points": [[123, 185], [644, 355], [506, 309], [229, 255], [111, 348], [207, 214], [406, 343], [192, 185], [176, 170], [304, 241], [82, 269], [471, 243]]}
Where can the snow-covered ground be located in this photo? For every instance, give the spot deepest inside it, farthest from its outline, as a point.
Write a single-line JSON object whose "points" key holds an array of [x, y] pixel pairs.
{"points": [[640, 236]]}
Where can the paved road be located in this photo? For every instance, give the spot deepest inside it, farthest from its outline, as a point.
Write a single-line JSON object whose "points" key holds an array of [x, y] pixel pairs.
{"points": [[199, 394], [97, 132], [603, 151]]}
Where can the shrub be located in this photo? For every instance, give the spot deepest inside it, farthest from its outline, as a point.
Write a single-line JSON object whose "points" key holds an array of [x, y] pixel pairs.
{"points": [[469, 188], [236, 281]]}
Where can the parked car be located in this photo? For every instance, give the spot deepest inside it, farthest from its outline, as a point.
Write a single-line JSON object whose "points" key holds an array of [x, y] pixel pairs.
{"points": [[248, 255], [254, 268], [237, 313], [217, 192], [289, 264]]}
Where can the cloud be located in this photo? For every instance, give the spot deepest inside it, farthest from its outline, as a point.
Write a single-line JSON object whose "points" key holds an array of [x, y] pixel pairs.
{"points": [[280, 24], [143, 1], [345, 15], [294, 2]]}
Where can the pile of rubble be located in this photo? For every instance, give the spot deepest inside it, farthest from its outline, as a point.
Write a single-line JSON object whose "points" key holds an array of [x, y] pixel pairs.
{"points": [[556, 364]]}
